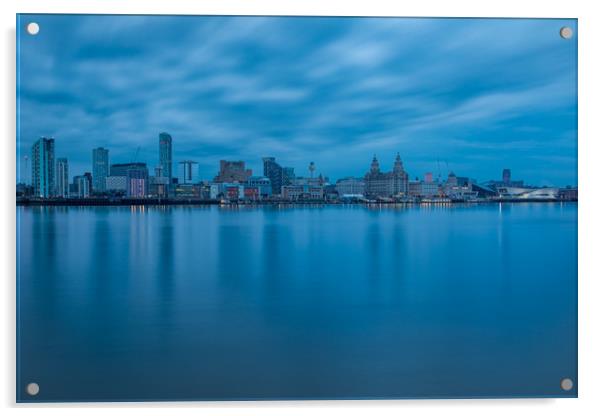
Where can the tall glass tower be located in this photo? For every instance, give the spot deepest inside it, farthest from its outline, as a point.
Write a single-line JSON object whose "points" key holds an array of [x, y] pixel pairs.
{"points": [[100, 169], [42, 167], [165, 160], [273, 171], [62, 178]]}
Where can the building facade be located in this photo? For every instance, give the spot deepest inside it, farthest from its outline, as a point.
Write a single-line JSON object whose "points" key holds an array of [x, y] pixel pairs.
{"points": [[188, 173], [116, 184], [62, 178], [81, 185], [137, 182], [263, 185], [165, 155], [233, 171], [351, 186], [288, 176], [386, 184], [100, 169], [42, 168], [273, 171]]}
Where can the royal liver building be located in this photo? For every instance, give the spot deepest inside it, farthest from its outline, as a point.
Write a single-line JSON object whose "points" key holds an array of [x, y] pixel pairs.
{"points": [[386, 184]]}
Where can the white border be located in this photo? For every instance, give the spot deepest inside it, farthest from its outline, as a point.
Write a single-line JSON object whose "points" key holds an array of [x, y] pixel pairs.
{"points": [[590, 181]]}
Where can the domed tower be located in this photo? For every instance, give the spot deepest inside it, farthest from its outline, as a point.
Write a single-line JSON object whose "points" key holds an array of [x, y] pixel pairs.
{"points": [[312, 169], [374, 166], [398, 165]]}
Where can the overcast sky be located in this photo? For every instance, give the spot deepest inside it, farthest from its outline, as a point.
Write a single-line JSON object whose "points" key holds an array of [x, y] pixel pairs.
{"points": [[477, 95]]}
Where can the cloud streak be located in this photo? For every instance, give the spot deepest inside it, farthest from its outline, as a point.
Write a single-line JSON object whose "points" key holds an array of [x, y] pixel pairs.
{"points": [[479, 94]]}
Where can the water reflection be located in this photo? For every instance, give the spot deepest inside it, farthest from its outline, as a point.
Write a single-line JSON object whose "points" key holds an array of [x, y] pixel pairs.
{"points": [[285, 301]]}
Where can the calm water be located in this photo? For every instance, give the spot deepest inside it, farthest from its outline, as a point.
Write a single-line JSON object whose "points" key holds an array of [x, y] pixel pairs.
{"points": [[166, 303]]}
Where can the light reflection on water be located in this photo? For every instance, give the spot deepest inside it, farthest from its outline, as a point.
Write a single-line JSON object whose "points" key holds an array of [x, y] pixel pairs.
{"points": [[200, 302]]}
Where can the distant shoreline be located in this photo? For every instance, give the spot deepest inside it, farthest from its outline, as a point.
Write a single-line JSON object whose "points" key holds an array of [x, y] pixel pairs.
{"points": [[162, 202]]}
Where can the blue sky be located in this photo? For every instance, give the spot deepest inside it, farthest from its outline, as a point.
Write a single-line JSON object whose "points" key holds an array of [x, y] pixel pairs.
{"points": [[479, 95]]}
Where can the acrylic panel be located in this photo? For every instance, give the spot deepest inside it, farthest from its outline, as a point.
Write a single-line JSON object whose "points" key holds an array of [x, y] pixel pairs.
{"points": [[268, 208]]}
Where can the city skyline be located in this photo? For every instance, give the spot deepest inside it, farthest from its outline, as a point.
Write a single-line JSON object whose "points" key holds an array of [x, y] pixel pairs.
{"points": [[329, 90], [188, 175]]}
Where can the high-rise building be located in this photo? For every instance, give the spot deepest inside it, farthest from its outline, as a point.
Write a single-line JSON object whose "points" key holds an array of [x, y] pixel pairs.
{"points": [[129, 177], [506, 176], [42, 167], [165, 157], [62, 178], [273, 171], [188, 173], [288, 176], [88, 176], [81, 185], [116, 184], [232, 171], [121, 169], [100, 169]]}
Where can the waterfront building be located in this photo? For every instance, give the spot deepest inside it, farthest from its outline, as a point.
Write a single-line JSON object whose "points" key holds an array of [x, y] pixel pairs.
{"points": [[24, 190], [188, 170], [512, 192], [100, 168], [429, 189], [386, 184], [88, 176], [567, 194], [251, 193], [165, 155], [159, 184], [292, 192], [233, 191], [62, 178], [273, 171], [262, 184], [330, 192], [42, 168], [288, 175], [459, 188], [506, 177], [484, 191], [81, 185], [137, 182], [414, 188], [121, 169], [303, 192], [117, 184], [134, 179], [232, 171], [350, 186], [189, 191], [452, 180]]}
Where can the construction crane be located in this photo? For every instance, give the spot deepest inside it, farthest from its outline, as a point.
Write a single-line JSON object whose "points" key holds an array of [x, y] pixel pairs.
{"points": [[136, 154]]}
